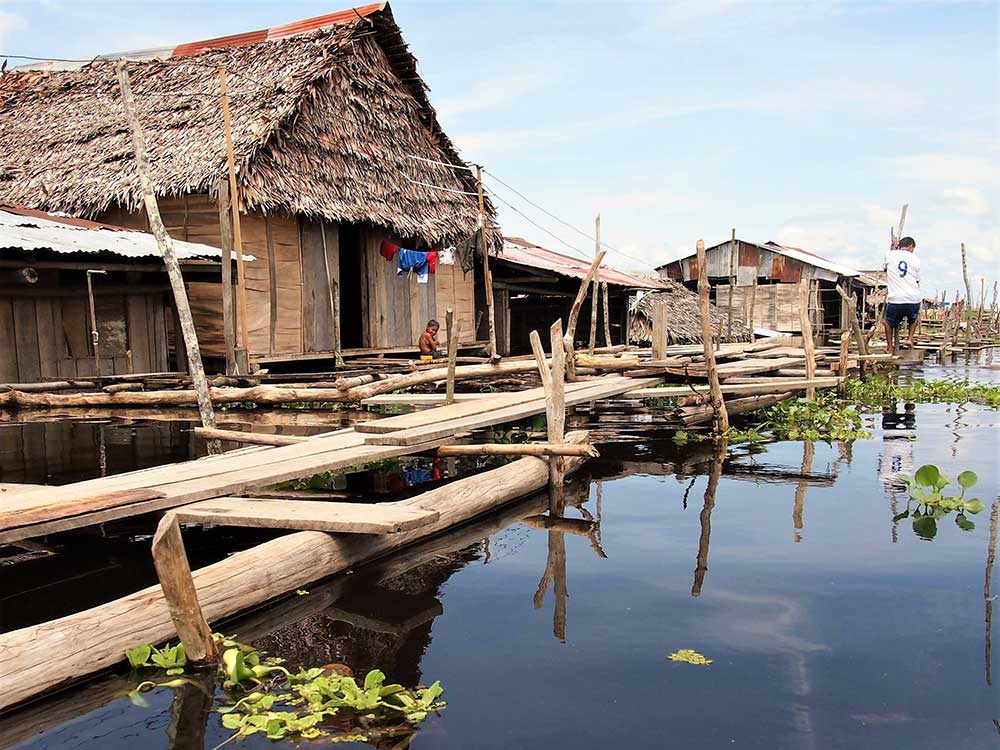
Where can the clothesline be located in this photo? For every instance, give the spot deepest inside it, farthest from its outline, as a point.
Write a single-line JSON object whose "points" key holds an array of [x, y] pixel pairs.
{"points": [[442, 163], [435, 187]]}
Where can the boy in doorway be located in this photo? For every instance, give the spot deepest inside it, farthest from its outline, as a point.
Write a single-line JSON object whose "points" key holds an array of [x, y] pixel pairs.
{"points": [[428, 342], [902, 268]]}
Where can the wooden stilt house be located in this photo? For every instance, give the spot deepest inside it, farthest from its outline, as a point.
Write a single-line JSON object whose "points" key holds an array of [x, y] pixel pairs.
{"points": [[337, 149]]}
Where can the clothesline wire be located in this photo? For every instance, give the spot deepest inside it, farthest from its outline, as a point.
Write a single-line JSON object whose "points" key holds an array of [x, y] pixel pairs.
{"points": [[545, 211], [435, 187], [527, 218], [442, 163]]}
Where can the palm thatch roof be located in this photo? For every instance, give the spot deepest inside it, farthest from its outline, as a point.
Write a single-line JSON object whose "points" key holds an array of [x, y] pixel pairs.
{"points": [[683, 320], [325, 123]]}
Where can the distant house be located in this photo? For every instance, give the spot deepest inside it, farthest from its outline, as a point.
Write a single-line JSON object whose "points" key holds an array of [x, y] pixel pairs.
{"points": [[338, 149], [778, 271], [45, 315], [533, 286]]}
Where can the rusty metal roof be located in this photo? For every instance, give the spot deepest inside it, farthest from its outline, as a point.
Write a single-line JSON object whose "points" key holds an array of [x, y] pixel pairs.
{"points": [[27, 229], [524, 253]]}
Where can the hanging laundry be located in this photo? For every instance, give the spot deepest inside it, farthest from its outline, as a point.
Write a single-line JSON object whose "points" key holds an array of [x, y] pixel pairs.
{"points": [[388, 250], [412, 260], [432, 260], [446, 257], [466, 252]]}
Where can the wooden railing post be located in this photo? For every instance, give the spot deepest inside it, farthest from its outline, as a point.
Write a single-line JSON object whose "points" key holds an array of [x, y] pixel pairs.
{"points": [[452, 355]]}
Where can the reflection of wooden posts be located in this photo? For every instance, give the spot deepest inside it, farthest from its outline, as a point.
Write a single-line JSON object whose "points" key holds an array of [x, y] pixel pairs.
{"points": [[452, 355], [705, 310], [595, 295], [179, 591], [555, 570], [574, 315], [607, 320], [226, 242], [166, 248], [190, 710], [990, 557], [705, 517], [808, 343], [659, 342], [808, 451]]}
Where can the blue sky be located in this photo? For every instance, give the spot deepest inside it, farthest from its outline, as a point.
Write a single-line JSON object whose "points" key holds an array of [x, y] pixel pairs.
{"points": [[809, 123]]}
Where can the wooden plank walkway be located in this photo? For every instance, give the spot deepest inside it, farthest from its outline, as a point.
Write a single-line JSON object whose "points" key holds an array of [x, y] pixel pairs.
{"points": [[50, 510]]}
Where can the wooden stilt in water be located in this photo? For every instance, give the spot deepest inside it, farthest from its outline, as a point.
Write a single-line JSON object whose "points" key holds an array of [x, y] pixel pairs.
{"points": [[165, 245], [226, 240], [452, 355], [845, 345], [174, 572], [705, 310], [487, 276], [595, 295], [555, 407], [808, 343]]}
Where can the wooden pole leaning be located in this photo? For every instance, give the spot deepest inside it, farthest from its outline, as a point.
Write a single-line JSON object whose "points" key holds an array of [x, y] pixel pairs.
{"points": [[594, 309], [574, 314], [554, 382], [607, 320], [165, 245], [452, 355], [705, 311], [852, 315], [808, 343], [180, 593], [242, 353], [487, 276], [95, 334]]}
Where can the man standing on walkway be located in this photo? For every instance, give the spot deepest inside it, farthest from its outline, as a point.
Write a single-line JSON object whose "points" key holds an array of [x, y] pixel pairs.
{"points": [[902, 268]]}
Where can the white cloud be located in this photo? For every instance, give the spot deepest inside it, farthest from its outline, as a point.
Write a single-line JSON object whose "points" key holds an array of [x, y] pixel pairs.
{"points": [[967, 200], [491, 94], [10, 24], [937, 168], [701, 19]]}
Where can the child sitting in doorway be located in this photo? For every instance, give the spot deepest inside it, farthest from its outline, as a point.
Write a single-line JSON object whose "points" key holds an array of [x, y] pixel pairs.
{"points": [[428, 342]]}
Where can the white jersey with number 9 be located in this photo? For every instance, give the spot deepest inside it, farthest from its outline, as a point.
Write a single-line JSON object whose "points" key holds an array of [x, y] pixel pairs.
{"points": [[902, 270]]}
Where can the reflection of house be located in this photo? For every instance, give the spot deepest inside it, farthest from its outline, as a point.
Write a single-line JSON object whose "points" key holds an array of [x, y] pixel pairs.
{"points": [[45, 327], [534, 286], [338, 149], [778, 271]]}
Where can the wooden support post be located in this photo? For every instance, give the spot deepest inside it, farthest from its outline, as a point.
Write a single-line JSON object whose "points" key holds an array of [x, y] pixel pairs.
{"points": [[334, 289], [165, 245], [243, 350], [607, 320], [659, 340], [968, 286], [705, 311], [452, 355], [845, 344], [902, 223], [852, 315], [732, 283], [179, 591], [487, 276], [574, 314], [226, 240], [808, 343], [555, 408], [594, 298], [753, 304], [95, 334]]}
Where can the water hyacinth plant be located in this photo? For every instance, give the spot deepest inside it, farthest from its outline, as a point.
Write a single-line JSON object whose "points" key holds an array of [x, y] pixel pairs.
{"points": [[926, 490]]}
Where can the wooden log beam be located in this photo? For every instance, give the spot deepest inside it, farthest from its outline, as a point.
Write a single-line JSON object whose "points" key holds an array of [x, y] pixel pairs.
{"points": [[250, 438], [35, 659], [704, 414], [519, 449]]}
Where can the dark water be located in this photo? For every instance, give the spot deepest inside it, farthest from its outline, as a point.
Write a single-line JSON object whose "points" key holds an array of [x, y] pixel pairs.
{"points": [[829, 626]]}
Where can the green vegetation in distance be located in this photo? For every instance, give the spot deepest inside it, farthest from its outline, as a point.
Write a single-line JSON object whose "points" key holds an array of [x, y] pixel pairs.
{"points": [[925, 489], [268, 699]]}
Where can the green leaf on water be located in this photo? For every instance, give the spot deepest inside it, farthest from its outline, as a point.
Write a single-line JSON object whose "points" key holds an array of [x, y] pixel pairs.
{"points": [[975, 505], [927, 475], [964, 523], [139, 656], [967, 479]]}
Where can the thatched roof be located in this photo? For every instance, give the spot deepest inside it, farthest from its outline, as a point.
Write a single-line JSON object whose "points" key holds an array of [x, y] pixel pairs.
{"points": [[683, 321], [324, 123]]}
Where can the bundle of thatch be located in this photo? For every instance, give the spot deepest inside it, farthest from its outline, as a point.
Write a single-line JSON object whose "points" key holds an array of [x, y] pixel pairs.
{"points": [[683, 323], [333, 123]]}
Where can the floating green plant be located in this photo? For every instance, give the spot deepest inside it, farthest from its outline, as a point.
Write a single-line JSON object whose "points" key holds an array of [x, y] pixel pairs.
{"points": [[690, 656], [266, 698], [876, 391], [925, 489]]}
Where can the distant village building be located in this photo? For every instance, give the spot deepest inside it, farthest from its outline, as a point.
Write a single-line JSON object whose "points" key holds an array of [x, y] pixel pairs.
{"points": [[769, 274], [45, 313], [533, 285], [340, 158]]}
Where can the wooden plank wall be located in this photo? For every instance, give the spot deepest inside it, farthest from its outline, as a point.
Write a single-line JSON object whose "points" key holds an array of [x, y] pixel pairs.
{"points": [[49, 336], [776, 306], [318, 330], [456, 290]]}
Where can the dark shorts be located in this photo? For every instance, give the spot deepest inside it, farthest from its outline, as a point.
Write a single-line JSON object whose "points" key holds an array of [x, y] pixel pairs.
{"points": [[895, 312]]}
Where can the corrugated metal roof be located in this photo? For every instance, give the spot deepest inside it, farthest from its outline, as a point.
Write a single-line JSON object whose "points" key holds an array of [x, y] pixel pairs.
{"points": [[524, 253], [812, 259], [26, 229], [233, 40]]}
